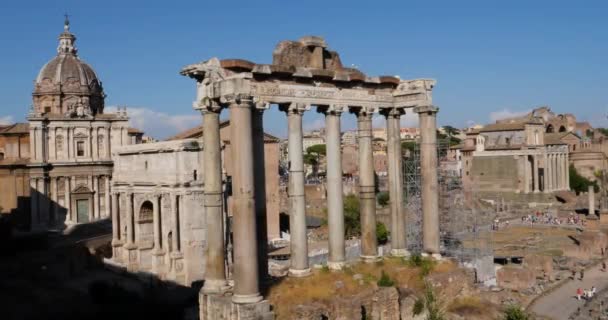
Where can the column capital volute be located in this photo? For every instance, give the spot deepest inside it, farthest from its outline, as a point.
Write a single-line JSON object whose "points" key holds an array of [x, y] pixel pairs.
{"points": [[429, 109], [260, 104], [208, 105], [294, 108], [363, 111], [237, 100], [392, 112], [333, 109]]}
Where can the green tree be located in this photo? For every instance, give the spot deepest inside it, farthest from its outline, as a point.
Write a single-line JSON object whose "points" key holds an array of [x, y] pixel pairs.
{"points": [[381, 233], [317, 149], [383, 198], [313, 156], [579, 183], [352, 224], [408, 145]]}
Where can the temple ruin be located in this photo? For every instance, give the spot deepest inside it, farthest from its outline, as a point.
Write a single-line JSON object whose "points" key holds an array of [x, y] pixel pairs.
{"points": [[304, 74]]}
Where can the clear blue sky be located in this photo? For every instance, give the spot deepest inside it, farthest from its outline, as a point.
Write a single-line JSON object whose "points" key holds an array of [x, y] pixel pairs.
{"points": [[487, 56]]}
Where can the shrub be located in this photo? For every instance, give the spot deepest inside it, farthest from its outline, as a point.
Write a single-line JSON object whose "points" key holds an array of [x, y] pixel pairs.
{"points": [[385, 280], [418, 307], [432, 304], [383, 198], [579, 183], [514, 312], [325, 268], [381, 233], [352, 222], [426, 265]]}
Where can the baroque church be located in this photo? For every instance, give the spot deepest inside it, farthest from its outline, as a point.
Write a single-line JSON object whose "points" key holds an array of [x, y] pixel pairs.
{"points": [[69, 158]]}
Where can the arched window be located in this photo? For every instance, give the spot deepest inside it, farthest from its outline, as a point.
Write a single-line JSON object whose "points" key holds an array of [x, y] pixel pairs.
{"points": [[562, 129], [550, 128], [1, 155], [145, 212]]}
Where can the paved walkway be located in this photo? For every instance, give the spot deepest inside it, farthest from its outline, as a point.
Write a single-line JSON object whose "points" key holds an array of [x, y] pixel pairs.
{"points": [[562, 303]]}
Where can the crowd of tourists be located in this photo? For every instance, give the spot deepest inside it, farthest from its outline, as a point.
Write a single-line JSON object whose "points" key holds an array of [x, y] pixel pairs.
{"points": [[586, 294], [547, 218]]}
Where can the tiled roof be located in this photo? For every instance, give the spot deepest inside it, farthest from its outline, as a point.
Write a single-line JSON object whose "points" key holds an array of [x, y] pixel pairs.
{"points": [[556, 138], [17, 128], [197, 132]]}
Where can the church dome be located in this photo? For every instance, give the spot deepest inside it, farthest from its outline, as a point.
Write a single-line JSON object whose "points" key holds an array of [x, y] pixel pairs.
{"points": [[66, 83]]}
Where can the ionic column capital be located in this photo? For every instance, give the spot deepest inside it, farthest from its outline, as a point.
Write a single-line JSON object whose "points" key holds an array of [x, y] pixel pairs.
{"points": [[237, 100], [294, 108], [260, 105], [208, 105], [430, 110], [333, 109], [392, 112], [363, 112]]}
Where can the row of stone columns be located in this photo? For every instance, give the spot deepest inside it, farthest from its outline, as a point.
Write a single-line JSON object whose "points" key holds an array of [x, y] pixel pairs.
{"points": [[246, 127], [556, 172]]}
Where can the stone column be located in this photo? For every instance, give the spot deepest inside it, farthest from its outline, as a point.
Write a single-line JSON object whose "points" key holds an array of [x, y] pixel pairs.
{"points": [[33, 143], [95, 197], [34, 205], [39, 145], [176, 230], [115, 219], [428, 172], [107, 197], [246, 282], [51, 141], [550, 172], [564, 166], [215, 272], [535, 174], [67, 200], [557, 176], [527, 172], [259, 178], [54, 206], [567, 171], [95, 144], [130, 221], [157, 222], [297, 202], [591, 193], [335, 203], [367, 185], [395, 182]]}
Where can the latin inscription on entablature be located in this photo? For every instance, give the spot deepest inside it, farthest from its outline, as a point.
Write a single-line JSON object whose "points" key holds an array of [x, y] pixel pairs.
{"points": [[278, 93]]}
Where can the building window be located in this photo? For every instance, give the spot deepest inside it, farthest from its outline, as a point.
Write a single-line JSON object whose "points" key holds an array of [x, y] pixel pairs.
{"points": [[80, 148], [1, 155]]}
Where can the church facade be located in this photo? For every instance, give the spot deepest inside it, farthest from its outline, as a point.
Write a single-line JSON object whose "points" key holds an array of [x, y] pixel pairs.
{"points": [[69, 157]]}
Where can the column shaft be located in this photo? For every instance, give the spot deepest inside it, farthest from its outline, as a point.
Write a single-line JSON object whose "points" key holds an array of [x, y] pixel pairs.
{"points": [[535, 174], [115, 219], [107, 197], [395, 180], [95, 197], [246, 284], [67, 200], [215, 274], [130, 220], [259, 177], [297, 207], [176, 230], [567, 172], [550, 172], [34, 220], [54, 205], [335, 205], [591, 193], [367, 187], [428, 170]]}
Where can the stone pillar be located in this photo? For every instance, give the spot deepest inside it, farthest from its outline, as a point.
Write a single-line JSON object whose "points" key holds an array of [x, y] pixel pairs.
{"points": [[557, 175], [367, 185], [428, 172], [564, 166], [39, 145], [130, 221], [297, 203], [115, 219], [527, 173], [176, 225], [567, 171], [259, 178], [215, 272], [246, 282], [107, 198], [33, 144], [335, 203], [545, 173], [34, 205], [54, 206], [395, 182], [535, 174], [95, 197], [550, 172], [157, 222], [51, 141], [67, 200], [591, 193], [94, 144]]}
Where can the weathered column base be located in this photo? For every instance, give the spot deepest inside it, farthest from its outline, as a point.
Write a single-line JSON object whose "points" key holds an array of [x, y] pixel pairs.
{"points": [[400, 253], [435, 256], [247, 298], [215, 287], [117, 253], [132, 257], [177, 267], [158, 263], [221, 306], [370, 259], [339, 265], [299, 273]]}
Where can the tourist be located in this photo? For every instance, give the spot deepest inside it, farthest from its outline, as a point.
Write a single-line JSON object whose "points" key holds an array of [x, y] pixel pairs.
{"points": [[585, 294], [582, 274], [579, 292], [573, 274], [593, 290], [604, 266]]}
